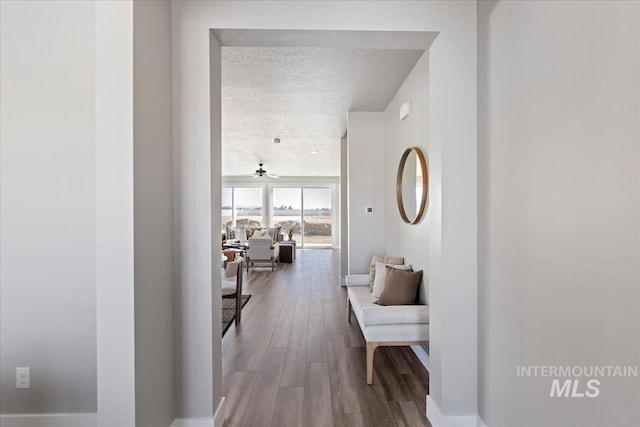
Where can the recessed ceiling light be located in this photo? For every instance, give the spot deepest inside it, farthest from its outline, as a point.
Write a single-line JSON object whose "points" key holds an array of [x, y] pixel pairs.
{"points": [[314, 151]]}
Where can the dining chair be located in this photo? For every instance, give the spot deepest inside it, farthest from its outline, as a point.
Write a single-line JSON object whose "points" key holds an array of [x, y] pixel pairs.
{"points": [[232, 284]]}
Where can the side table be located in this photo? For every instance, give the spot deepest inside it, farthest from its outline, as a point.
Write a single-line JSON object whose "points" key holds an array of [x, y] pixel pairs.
{"points": [[288, 251]]}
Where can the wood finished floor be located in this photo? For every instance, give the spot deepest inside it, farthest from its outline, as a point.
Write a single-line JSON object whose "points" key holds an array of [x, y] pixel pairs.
{"points": [[296, 361]]}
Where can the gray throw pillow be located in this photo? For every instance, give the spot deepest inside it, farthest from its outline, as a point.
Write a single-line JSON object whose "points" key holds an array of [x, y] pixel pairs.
{"points": [[400, 287], [273, 232], [385, 260]]}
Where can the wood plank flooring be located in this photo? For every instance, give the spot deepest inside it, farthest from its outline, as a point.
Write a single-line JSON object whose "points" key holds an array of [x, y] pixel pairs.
{"points": [[296, 361]]}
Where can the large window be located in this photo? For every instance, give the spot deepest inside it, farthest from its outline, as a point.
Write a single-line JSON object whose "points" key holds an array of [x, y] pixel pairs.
{"points": [[241, 206], [306, 212], [316, 216], [287, 211], [227, 206], [248, 206]]}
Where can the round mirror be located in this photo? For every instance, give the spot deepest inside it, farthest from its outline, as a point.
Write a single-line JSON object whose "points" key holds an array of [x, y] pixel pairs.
{"points": [[412, 185]]}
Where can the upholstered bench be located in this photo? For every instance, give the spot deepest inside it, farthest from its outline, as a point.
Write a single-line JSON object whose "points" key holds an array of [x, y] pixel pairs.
{"points": [[393, 325]]}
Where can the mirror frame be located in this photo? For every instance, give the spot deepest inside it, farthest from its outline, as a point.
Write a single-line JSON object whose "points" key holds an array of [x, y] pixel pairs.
{"points": [[425, 185]]}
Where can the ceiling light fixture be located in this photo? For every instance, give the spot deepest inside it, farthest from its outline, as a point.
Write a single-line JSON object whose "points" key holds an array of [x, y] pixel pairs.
{"points": [[314, 151], [262, 173], [276, 140]]}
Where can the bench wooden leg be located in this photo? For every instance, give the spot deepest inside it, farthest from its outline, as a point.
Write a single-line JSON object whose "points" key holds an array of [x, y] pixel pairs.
{"points": [[371, 348], [348, 310]]}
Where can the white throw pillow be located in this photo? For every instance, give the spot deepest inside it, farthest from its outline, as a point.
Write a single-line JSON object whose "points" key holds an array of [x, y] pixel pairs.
{"points": [[261, 233], [381, 275]]}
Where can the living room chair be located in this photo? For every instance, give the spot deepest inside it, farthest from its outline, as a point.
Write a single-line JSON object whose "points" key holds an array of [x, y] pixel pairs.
{"points": [[232, 284], [263, 249]]}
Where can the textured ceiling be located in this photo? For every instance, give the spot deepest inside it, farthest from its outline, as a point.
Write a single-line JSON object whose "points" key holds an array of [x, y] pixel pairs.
{"points": [[300, 95]]}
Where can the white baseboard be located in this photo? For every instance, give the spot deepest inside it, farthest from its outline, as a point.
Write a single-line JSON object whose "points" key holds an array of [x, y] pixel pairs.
{"points": [[192, 422], [89, 419], [422, 354], [218, 417], [481, 423], [216, 421], [438, 419]]}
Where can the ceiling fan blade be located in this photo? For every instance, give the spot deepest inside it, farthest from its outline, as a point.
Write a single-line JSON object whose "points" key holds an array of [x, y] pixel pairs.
{"points": [[273, 176], [255, 176]]}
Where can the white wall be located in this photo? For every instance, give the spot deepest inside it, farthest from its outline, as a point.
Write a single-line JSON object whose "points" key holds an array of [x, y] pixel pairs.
{"points": [[407, 240], [47, 239], [366, 184], [114, 213], [68, 213], [436, 245], [559, 102], [194, 160], [214, 218], [153, 222]]}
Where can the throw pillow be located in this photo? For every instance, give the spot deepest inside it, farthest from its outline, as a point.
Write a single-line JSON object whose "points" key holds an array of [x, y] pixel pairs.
{"points": [[379, 258], [381, 276], [400, 287], [261, 233], [274, 232], [236, 233]]}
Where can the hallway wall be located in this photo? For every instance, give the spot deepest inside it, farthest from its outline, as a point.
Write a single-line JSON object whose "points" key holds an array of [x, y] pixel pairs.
{"points": [[411, 240], [48, 212], [366, 183], [559, 102], [153, 214]]}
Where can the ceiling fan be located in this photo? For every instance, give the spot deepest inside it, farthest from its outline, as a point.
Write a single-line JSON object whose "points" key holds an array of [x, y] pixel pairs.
{"points": [[262, 172]]}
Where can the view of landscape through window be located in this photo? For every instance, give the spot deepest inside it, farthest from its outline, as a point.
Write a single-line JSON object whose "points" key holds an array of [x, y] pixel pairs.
{"points": [[307, 212]]}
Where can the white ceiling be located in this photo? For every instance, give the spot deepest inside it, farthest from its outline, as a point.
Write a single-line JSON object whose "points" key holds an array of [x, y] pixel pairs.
{"points": [[302, 94]]}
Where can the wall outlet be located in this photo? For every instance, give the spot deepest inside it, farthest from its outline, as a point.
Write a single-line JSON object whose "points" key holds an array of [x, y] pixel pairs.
{"points": [[23, 377], [369, 210]]}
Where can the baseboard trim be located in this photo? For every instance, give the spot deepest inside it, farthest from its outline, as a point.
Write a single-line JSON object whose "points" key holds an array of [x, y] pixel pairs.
{"points": [[88, 419], [438, 419], [422, 355], [216, 421], [192, 422], [218, 417]]}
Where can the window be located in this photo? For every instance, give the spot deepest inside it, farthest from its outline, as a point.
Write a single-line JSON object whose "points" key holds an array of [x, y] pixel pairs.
{"points": [[241, 206], [227, 206], [317, 216], [287, 211], [305, 211], [248, 206]]}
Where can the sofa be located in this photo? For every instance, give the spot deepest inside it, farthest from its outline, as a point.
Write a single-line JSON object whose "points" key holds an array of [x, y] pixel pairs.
{"points": [[242, 233], [394, 325]]}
